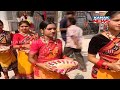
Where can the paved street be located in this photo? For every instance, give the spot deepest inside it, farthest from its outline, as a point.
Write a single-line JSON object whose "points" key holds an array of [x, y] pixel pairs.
{"points": [[87, 75]]}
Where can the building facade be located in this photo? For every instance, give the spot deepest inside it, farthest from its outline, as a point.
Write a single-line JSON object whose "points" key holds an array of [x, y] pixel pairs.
{"points": [[9, 18]]}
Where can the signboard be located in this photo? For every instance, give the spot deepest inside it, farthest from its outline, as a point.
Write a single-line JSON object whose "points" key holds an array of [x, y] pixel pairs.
{"points": [[101, 19]]}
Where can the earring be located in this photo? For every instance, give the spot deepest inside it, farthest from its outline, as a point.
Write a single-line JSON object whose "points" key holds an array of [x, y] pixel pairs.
{"points": [[42, 34], [106, 27]]}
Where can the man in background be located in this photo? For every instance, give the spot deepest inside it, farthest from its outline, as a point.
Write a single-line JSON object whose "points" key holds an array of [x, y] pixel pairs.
{"points": [[73, 44], [63, 23]]}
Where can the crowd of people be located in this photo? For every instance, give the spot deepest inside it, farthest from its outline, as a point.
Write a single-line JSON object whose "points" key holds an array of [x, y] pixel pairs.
{"points": [[26, 52]]}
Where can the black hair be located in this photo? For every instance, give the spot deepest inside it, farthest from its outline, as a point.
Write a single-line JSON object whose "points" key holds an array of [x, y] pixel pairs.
{"points": [[72, 21], [1, 22], [44, 24], [16, 31], [50, 19], [21, 22], [112, 13], [70, 12]]}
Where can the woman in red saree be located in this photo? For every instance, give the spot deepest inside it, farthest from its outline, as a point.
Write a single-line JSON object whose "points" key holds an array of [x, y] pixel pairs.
{"points": [[107, 45], [46, 48], [21, 42]]}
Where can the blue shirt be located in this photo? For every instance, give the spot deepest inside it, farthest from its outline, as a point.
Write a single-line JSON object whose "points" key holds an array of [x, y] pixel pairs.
{"points": [[63, 24]]}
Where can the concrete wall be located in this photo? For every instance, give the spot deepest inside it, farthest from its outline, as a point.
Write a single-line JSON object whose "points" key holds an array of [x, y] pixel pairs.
{"points": [[8, 18], [3, 17]]}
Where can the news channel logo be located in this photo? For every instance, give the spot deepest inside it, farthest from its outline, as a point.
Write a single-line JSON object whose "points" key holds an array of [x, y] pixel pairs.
{"points": [[101, 19]]}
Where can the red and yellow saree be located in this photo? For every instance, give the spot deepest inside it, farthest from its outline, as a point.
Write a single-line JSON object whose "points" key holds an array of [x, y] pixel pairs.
{"points": [[110, 53], [24, 66], [47, 52]]}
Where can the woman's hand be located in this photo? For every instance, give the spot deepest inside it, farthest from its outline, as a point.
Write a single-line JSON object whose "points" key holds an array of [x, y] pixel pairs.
{"points": [[6, 51], [43, 65], [115, 66], [68, 58]]}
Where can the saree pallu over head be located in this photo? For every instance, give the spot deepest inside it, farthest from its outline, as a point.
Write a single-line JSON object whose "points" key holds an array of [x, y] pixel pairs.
{"points": [[110, 53]]}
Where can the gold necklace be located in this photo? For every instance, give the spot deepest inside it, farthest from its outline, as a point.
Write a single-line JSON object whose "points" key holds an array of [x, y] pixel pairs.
{"points": [[110, 37], [24, 34]]}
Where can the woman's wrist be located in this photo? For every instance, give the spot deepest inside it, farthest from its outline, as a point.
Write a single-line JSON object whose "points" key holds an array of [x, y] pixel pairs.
{"points": [[109, 65], [100, 63], [42, 65], [106, 65], [64, 56]]}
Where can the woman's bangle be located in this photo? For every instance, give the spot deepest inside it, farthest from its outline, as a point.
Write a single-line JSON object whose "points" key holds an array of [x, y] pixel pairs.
{"points": [[100, 63]]}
